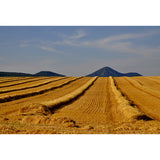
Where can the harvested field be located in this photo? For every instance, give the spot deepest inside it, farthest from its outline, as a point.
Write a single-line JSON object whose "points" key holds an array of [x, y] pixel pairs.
{"points": [[6, 97], [80, 105], [30, 84], [23, 81], [13, 79], [146, 96]]}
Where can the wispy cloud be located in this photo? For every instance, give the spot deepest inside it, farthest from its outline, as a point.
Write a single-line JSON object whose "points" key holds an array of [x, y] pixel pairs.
{"points": [[126, 47], [74, 39], [122, 43], [118, 43], [50, 49], [121, 37], [79, 34], [41, 44], [69, 40], [25, 43]]}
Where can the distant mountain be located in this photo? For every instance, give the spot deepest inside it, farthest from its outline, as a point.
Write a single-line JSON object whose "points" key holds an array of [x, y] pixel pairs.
{"points": [[132, 74], [107, 71], [41, 73], [103, 72], [14, 74], [48, 74]]}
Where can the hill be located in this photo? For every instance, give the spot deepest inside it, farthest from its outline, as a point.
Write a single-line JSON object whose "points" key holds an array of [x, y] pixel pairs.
{"points": [[14, 74], [41, 73], [107, 71], [48, 74]]}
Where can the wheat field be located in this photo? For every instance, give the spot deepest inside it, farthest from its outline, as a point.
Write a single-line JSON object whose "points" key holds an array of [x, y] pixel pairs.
{"points": [[80, 105]]}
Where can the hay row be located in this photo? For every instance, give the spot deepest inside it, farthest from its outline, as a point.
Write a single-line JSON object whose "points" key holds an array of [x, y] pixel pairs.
{"points": [[3, 79], [11, 78], [15, 97], [18, 79], [22, 82], [54, 104], [145, 102], [124, 107], [33, 86]]}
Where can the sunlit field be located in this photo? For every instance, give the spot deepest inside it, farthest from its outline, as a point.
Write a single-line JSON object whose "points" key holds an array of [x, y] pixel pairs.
{"points": [[79, 105]]}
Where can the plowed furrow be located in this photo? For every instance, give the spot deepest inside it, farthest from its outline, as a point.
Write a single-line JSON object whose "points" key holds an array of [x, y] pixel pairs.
{"points": [[144, 100], [32, 92], [31, 85]]}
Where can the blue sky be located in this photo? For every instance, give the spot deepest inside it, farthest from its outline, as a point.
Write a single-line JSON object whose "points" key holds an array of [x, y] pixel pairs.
{"points": [[76, 51]]}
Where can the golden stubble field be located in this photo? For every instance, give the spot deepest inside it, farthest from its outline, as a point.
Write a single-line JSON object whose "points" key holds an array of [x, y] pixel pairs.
{"points": [[80, 105]]}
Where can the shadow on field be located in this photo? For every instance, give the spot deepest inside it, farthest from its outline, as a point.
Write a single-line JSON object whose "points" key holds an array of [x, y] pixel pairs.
{"points": [[143, 117]]}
